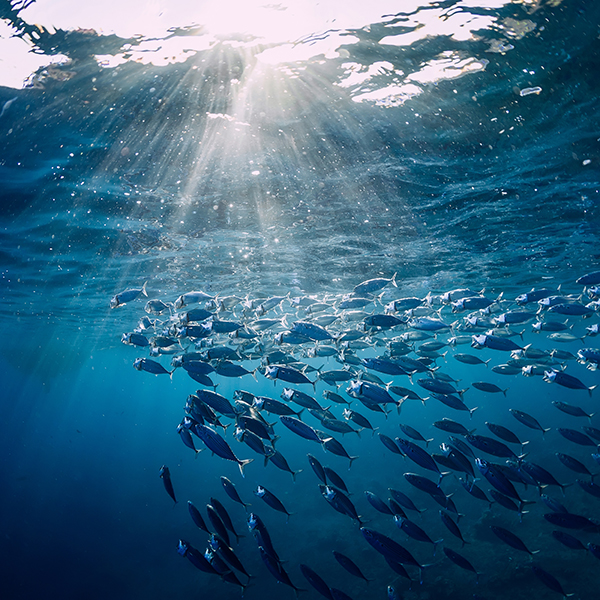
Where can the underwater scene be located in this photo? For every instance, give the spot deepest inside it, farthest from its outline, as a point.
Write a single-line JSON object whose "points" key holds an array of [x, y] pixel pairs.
{"points": [[300, 299]]}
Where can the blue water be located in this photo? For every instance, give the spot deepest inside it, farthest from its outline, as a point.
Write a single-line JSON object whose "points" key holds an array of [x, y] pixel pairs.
{"points": [[467, 157]]}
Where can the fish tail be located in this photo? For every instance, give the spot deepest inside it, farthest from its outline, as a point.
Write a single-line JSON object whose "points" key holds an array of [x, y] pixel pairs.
{"points": [[242, 463], [144, 289]]}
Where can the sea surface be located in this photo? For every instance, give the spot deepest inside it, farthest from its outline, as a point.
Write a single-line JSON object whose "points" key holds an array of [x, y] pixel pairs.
{"points": [[294, 149]]}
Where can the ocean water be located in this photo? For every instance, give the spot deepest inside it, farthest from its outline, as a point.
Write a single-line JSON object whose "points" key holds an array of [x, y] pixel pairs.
{"points": [[291, 149]]}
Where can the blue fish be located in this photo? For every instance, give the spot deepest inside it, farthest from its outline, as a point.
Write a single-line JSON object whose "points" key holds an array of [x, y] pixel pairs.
{"points": [[271, 500], [349, 565], [195, 557], [300, 428], [215, 443], [389, 548], [461, 561], [231, 491], [508, 537], [497, 478], [549, 580], [417, 454], [165, 475], [316, 581]]}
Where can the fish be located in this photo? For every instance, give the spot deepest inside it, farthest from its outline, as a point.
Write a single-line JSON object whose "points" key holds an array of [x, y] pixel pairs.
{"points": [[471, 303], [252, 441], [404, 500], [389, 548], [215, 443], [527, 420], [382, 365], [456, 460], [567, 381], [504, 433], [195, 557], [217, 522], [360, 420], [150, 366], [300, 398], [575, 465], [335, 447], [350, 566], [300, 428], [590, 487], [497, 478], [572, 521], [470, 359], [494, 343], [577, 437], [490, 446], [460, 561], [194, 297], [275, 457], [186, 437], [197, 517], [508, 537], [276, 569], [437, 386], [373, 285], [452, 526], [371, 391], [316, 581], [135, 339], [378, 504], [453, 402], [491, 388], [165, 475], [549, 580], [568, 540], [425, 485], [275, 407], [225, 518], [286, 373], [231, 491], [451, 426], [271, 500], [317, 468], [417, 454], [474, 490], [335, 479], [553, 504], [129, 295], [261, 535], [414, 531], [413, 433], [340, 502], [533, 296], [217, 402], [571, 309], [311, 330]]}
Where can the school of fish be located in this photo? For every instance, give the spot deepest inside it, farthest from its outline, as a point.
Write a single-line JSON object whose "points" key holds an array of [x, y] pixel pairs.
{"points": [[368, 352]]}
